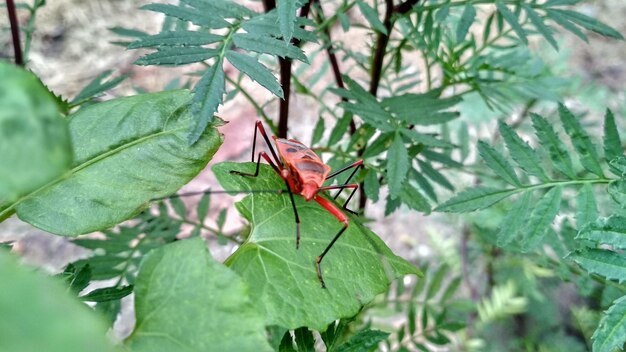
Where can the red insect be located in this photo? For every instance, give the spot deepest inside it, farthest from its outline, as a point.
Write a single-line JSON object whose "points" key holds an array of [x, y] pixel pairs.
{"points": [[304, 173]]}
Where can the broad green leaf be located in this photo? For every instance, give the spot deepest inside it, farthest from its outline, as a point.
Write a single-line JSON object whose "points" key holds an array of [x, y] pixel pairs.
{"points": [[608, 264], [539, 24], [538, 223], [525, 156], [357, 268], [474, 198], [97, 86], [414, 199], [208, 95], [38, 314], [186, 301], [34, 139], [286, 17], [371, 16], [612, 142], [611, 231], [582, 143], [467, 18], [397, 166], [174, 56], [586, 208], [176, 38], [268, 45], [364, 340], [611, 333], [127, 151], [553, 143], [200, 18], [514, 220], [496, 162], [512, 20], [256, 71], [589, 23]]}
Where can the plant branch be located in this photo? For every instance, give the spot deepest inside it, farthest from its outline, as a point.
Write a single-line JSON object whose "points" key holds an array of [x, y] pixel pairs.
{"points": [[15, 33]]}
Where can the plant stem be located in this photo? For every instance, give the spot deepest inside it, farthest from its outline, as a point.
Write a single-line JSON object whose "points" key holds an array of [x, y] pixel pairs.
{"points": [[15, 33]]}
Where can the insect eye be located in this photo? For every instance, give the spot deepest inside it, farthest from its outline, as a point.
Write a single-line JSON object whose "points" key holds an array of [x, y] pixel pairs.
{"points": [[291, 150]]}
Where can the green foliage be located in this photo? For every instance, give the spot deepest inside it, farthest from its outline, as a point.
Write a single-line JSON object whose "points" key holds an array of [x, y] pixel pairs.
{"points": [[503, 302], [270, 264]]}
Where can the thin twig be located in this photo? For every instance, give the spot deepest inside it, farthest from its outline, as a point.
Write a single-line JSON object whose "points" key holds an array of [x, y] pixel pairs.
{"points": [[15, 33]]}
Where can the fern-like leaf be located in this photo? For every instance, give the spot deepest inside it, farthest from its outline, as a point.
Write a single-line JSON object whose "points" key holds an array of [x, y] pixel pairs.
{"points": [[611, 333]]}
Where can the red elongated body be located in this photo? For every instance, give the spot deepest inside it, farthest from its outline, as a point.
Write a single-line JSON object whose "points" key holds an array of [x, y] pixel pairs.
{"points": [[304, 174]]}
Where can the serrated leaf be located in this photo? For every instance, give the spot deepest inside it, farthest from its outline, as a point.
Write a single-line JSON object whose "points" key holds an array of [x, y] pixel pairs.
{"points": [[96, 86], [467, 18], [425, 139], [174, 56], [414, 199], [525, 156], [514, 220], [107, 294], [582, 143], [222, 8], [617, 191], [611, 231], [566, 24], [541, 27], [200, 18], [611, 333], [119, 163], [371, 186], [203, 207], [268, 45], [364, 340], [608, 264], [589, 23], [434, 175], [422, 109], [269, 262], [176, 38], [553, 143], [474, 199], [512, 20], [496, 162], [218, 314], [586, 208], [256, 71], [612, 143], [286, 17], [340, 128], [318, 131], [397, 166], [371, 16], [540, 219], [208, 95]]}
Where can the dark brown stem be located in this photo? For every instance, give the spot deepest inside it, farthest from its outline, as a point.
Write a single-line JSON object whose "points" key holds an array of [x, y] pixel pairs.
{"points": [[15, 33], [382, 39]]}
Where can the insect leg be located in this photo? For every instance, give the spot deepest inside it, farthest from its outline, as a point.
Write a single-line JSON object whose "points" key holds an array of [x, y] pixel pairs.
{"points": [[331, 208], [258, 163], [353, 186], [355, 165], [259, 127]]}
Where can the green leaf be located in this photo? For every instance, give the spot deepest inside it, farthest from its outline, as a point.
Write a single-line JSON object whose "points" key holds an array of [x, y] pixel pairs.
{"points": [[304, 340], [608, 264], [34, 140], [186, 301], [372, 17], [511, 19], [581, 141], [221, 8], [107, 294], [278, 273], [364, 340], [540, 219], [553, 143], [397, 166], [586, 208], [566, 24], [611, 332], [612, 142], [616, 189], [176, 38], [268, 45], [467, 18], [96, 87], [611, 231], [589, 23], [174, 56], [371, 186], [433, 174], [38, 314], [286, 17], [496, 162], [514, 220], [179, 207], [541, 27], [474, 199], [422, 109], [203, 207], [414, 199], [200, 18], [120, 164], [525, 156], [208, 95], [256, 71], [425, 139]]}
